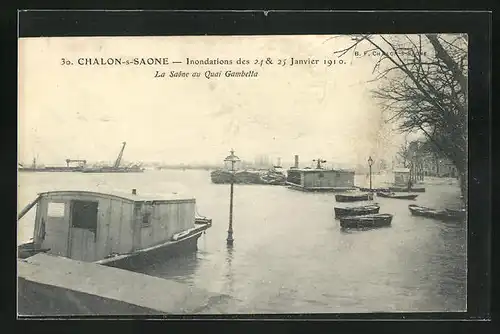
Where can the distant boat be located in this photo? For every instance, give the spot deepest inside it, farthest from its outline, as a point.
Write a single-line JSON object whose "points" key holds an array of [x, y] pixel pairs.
{"points": [[356, 211], [116, 167], [406, 189], [40, 168], [366, 221], [373, 190], [353, 197], [50, 169], [269, 177], [445, 215], [397, 196], [108, 169]]}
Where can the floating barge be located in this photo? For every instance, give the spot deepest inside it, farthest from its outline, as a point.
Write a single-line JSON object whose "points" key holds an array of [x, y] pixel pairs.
{"points": [[121, 230], [50, 169], [106, 169], [68, 168], [273, 176]]}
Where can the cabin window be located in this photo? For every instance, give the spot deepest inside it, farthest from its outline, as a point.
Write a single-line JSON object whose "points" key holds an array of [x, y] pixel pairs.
{"points": [[147, 211], [146, 219], [294, 177], [84, 214], [55, 209], [321, 175]]}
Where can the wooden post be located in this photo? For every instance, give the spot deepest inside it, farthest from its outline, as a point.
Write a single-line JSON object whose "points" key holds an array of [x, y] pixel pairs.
{"points": [[28, 207]]}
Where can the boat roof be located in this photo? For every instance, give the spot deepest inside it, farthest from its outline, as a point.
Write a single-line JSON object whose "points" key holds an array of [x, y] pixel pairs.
{"points": [[316, 170], [139, 197]]}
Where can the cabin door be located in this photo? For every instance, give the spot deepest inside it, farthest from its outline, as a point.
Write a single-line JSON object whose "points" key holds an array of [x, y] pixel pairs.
{"points": [[54, 222], [83, 230]]}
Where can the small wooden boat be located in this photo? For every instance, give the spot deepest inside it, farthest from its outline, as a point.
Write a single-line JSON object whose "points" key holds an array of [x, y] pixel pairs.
{"points": [[373, 190], [407, 190], [397, 196], [366, 221], [353, 197], [445, 215], [356, 211]]}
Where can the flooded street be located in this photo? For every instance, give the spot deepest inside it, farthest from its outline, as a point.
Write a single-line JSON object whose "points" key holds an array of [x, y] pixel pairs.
{"points": [[289, 254]]}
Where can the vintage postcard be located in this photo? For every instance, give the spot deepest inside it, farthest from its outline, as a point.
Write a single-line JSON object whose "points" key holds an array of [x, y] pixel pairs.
{"points": [[242, 174]]}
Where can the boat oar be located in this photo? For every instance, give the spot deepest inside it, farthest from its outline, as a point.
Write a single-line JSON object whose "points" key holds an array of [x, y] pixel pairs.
{"points": [[28, 207]]}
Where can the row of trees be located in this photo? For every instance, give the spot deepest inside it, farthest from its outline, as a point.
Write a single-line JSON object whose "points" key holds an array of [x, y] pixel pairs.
{"points": [[421, 85]]}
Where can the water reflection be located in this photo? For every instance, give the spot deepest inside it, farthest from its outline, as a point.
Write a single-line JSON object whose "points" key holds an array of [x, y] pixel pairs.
{"points": [[351, 230], [178, 268], [229, 270]]}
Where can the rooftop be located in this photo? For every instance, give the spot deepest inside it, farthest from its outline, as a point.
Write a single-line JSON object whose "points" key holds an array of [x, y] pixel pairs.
{"points": [[138, 197]]}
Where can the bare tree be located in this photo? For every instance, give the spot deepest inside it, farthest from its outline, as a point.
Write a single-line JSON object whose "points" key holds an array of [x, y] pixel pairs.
{"points": [[403, 154], [422, 86]]}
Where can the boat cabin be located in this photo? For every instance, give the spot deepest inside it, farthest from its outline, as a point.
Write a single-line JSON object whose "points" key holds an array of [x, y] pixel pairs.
{"points": [[401, 176], [319, 179], [90, 226]]}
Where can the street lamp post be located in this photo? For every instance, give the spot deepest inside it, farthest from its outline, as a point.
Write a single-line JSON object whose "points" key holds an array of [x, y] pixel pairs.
{"points": [[415, 167], [232, 160], [370, 163]]}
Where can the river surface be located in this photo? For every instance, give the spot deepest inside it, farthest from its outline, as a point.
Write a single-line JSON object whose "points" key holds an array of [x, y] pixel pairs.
{"points": [[289, 254]]}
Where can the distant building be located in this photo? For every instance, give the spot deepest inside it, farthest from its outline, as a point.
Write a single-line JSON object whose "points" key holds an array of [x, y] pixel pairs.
{"points": [[401, 176], [314, 179], [438, 166]]}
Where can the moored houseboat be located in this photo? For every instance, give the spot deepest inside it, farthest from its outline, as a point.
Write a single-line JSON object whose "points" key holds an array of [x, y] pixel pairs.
{"points": [[113, 228], [319, 179]]}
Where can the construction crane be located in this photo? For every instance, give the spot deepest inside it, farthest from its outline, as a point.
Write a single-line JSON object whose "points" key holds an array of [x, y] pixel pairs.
{"points": [[68, 161], [120, 155]]}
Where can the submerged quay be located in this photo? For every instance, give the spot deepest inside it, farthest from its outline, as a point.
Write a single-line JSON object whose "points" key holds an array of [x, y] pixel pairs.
{"points": [[57, 286]]}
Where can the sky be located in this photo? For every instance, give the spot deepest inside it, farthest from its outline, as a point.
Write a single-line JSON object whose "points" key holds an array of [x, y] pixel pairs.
{"points": [[86, 112]]}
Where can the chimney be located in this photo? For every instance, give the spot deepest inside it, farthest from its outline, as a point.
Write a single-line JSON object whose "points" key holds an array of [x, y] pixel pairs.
{"points": [[296, 165], [134, 191]]}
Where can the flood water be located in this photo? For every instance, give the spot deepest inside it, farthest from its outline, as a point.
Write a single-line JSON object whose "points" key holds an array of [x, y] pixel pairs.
{"points": [[289, 254]]}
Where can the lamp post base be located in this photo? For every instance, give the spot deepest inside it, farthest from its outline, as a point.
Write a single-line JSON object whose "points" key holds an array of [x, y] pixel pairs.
{"points": [[230, 239]]}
